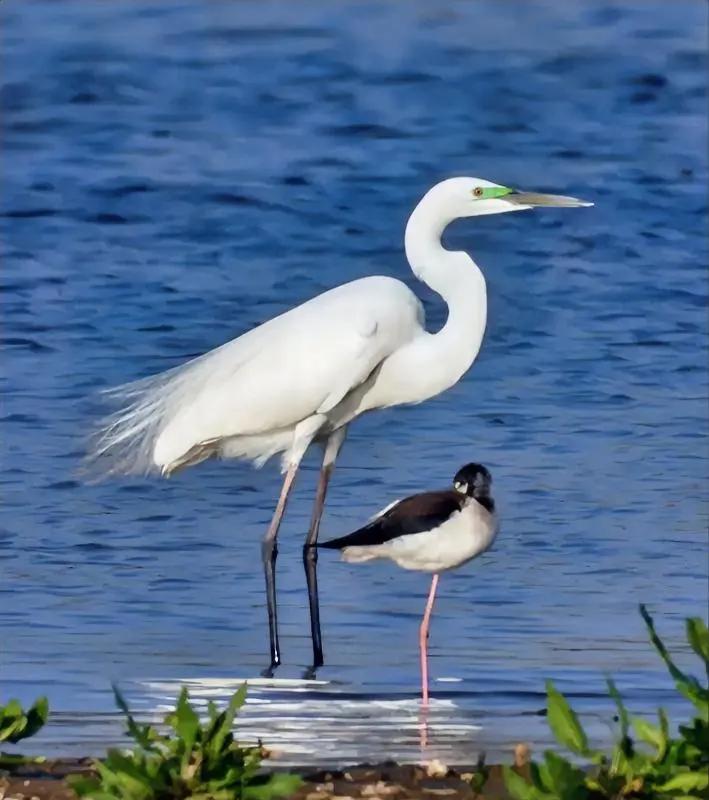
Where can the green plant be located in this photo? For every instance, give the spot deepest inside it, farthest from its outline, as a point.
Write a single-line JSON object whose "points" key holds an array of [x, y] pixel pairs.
{"points": [[480, 775], [17, 724], [660, 767], [200, 761]]}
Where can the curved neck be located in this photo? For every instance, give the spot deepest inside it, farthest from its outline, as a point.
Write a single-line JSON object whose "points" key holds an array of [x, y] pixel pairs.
{"points": [[430, 363], [428, 259], [459, 281]]}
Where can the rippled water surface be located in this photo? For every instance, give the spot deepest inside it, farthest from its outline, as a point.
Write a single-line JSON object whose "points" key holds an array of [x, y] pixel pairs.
{"points": [[177, 172]]}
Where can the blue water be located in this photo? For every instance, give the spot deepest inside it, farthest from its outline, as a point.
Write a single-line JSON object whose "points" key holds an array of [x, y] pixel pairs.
{"points": [[175, 173]]}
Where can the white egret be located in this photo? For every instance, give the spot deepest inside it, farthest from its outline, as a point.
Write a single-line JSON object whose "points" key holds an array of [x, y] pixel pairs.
{"points": [[306, 374], [429, 532]]}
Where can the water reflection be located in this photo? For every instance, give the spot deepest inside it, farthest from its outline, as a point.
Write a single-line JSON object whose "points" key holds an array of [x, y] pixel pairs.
{"points": [[303, 721], [321, 723]]}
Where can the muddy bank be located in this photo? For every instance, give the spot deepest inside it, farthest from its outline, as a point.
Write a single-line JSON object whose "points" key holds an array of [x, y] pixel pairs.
{"points": [[386, 781]]}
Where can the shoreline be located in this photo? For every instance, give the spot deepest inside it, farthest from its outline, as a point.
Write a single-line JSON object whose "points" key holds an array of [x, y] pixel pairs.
{"points": [[387, 779]]}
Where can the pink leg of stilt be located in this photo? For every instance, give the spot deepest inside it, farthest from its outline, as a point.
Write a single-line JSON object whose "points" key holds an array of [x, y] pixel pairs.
{"points": [[423, 640]]}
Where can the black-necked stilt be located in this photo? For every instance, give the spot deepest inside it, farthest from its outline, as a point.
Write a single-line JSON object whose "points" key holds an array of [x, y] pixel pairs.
{"points": [[430, 532]]}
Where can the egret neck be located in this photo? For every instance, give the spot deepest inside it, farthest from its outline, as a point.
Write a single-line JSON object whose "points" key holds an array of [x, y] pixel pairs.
{"points": [[432, 362], [457, 279]]}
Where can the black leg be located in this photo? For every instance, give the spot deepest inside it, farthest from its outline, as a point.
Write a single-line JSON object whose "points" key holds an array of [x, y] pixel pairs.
{"points": [[310, 553], [310, 561], [269, 552]]}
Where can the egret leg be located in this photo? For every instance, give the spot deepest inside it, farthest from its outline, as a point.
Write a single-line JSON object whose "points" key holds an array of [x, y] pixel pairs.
{"points": [[303, 435], [310, 560], [310, 553], [269, 552], [423, 640]]}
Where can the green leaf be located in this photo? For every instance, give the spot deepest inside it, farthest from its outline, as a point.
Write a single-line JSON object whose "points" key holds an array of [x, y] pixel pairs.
{"points": [[688, 797], [88, 787], [278, 785], [685, 782], [16, 725], [562, 776], [564, 723], [664, 724], [624, 746], [239, 698], [481, 773], [651, 734], [194, 762], [517, 786], [221, 726], [37, 716], [13, 760], [82, 784], [688, 685], [540, 777], [13, 730], [127, 771], [144, 735], [698, 638], [184, 721], [13, 708]]}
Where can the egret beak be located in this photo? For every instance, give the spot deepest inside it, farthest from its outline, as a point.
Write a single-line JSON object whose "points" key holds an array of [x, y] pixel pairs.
{"points": [[535, 199]]}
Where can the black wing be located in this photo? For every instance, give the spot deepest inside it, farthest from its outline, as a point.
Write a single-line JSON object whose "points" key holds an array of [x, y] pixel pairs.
{"points": [[420, 512]]}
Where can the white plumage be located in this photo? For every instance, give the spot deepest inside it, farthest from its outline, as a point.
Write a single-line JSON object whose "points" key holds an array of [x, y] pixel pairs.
{"points": [[304, 375], [315, 364], [460, 538], [246, 397]]}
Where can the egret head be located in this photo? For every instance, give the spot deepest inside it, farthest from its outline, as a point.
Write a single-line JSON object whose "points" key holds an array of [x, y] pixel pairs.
{"points": [[474, 197]]}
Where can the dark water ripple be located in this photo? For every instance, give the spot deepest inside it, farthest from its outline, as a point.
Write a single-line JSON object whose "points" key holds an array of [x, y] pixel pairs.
{"points": [[176, 173]]}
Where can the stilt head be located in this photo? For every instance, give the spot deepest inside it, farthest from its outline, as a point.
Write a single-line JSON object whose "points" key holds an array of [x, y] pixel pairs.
{"points": [[473, 480]]}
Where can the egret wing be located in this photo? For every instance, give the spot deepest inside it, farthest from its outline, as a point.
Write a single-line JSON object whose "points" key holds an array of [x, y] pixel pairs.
{"points": [[269, 379]]}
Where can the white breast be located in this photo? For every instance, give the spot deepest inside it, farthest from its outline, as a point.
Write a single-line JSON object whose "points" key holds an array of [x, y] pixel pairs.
{"points": [[461, 538]]}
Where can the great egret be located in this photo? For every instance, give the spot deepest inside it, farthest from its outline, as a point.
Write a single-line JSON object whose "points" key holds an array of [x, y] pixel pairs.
{"points": [[429, 532], [306, 374]]}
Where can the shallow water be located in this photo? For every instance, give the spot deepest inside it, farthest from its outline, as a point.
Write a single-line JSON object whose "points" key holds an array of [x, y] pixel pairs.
{"points": [[175, 173]]}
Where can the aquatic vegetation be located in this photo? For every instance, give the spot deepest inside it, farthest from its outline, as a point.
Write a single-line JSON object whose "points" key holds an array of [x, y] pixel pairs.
{"points": [[17, 724], [480, 775], [197, 761], [653, 765]]}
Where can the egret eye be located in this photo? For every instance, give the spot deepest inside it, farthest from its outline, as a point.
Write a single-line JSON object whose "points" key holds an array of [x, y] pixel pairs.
{"points": [[477, 191]]}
